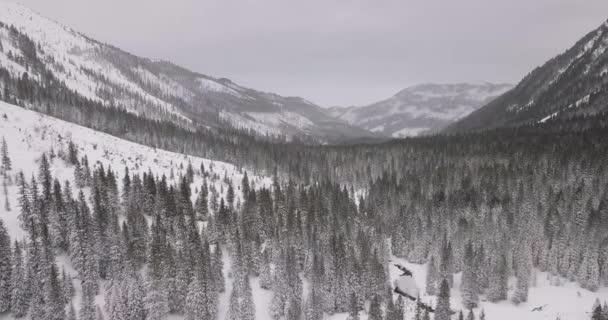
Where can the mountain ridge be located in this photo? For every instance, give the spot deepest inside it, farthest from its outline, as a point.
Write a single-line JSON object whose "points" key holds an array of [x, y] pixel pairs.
{"points": [[422, 108], [570, 85], [158, 89]]}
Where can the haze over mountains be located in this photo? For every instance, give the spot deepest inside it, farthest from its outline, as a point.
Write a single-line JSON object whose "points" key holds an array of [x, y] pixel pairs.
{"points": [[420, 109]]}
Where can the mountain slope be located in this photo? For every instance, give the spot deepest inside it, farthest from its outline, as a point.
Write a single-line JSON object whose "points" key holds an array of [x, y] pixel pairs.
{"points": [[421, 108], [573, 84], [160, 90]]}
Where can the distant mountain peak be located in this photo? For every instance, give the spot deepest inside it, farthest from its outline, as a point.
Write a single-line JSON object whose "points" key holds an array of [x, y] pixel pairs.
{"points": [[421, 108]]}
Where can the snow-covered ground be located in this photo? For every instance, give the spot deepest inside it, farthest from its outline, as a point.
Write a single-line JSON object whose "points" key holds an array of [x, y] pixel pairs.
{"points": [[566, 302], [28, 134]]}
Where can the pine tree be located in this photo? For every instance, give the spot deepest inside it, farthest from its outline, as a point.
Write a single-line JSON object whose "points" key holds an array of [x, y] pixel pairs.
{"points": [[6, 160], [20, 292], [431, 277], [116, 302], [54, 297], [247, 303], [156, 302], [200, 302], [135, 297], [375, 309], [71, 312], [442, 308], [311, 306], [7, 204], [201, 205], [469, 288], [6, 265], [353, 312], [265, 272], [67, 285], [87, 305], [45, 178], [498, 280], [72, 153]]}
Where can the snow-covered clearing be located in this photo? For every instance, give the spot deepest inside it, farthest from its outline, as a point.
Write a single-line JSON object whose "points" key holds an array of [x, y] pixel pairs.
{"points": [[567, 302]]}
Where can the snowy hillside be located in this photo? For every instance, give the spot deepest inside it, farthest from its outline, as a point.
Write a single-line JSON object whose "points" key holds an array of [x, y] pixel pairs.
{"points": [[569, 88], [422, 108], [28, 134], [32, 44]]}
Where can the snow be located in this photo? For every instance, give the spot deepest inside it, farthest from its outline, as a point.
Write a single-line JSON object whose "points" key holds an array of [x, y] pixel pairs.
{"points": [[568, 301], [379, 128], [267, 123], [543, 120], [210, 85], [165, 84], [283, 118], [409, 132], [29, 133], [68, 54], [407, 285]]}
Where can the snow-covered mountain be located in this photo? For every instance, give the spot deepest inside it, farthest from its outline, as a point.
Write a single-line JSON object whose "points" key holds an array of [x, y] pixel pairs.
{"points": [[421, 108], [151, 88], [572, 85]]}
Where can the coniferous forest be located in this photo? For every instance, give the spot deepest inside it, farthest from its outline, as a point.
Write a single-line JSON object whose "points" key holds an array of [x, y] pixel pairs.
{"points": [[489, 206]]}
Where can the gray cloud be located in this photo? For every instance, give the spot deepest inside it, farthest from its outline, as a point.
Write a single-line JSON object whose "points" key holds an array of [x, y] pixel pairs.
{"points": [[338, 52]]}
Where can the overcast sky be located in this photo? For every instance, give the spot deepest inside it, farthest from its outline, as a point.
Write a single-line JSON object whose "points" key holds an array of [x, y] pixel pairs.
{"points": [[338, 52]]}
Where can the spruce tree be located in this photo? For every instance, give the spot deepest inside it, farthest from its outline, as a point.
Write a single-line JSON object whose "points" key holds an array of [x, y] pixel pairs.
{"points": [[469, 287], [19, 292], [442, 308], [498, 280], [87, 305], [71, 312], [54, 296], [431, 277], [7, 204], [6, 160], [156, 301], [353, 312], [6, 265], [200, 302], [375, 309]]}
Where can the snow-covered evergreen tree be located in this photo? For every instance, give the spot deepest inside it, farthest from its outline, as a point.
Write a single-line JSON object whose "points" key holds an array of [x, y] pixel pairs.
{"points": [[442, 308], [6, 266], [469, 287]]}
